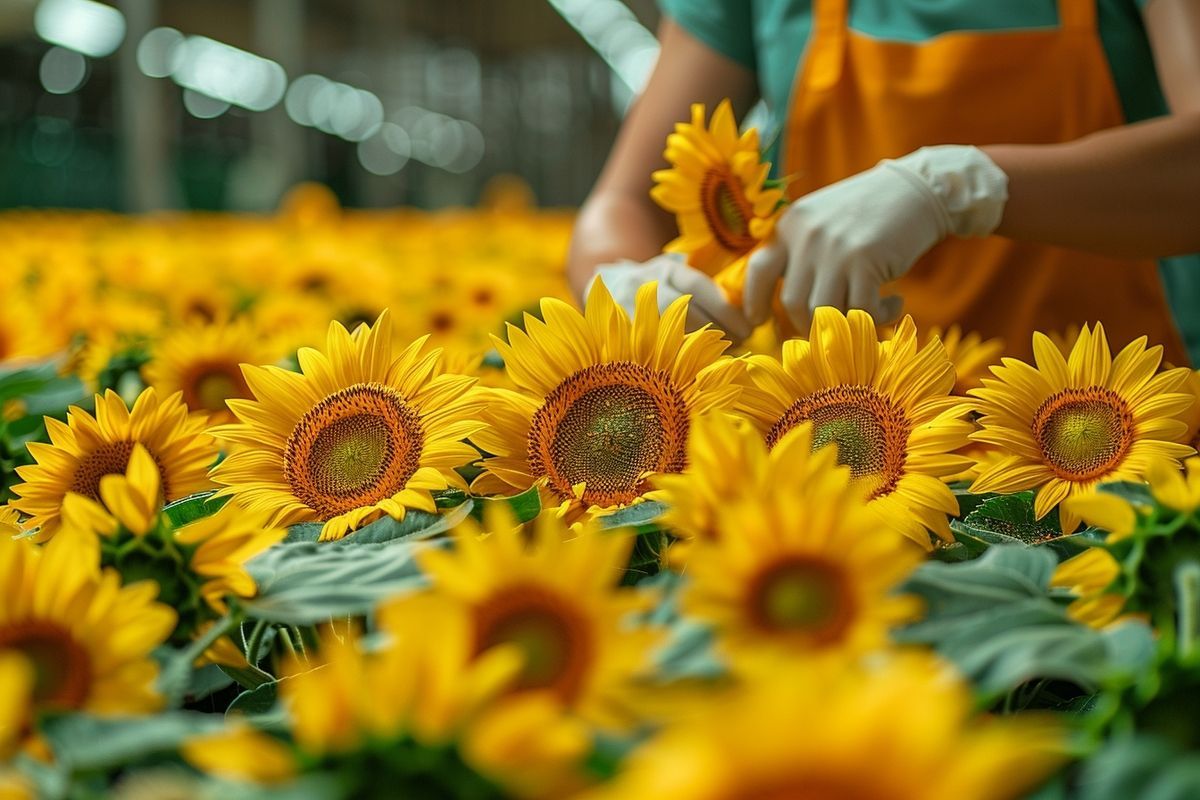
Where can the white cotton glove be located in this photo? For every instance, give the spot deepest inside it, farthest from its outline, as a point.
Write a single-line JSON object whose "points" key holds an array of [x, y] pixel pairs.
{"points": [[675, 279], [838, 245]]}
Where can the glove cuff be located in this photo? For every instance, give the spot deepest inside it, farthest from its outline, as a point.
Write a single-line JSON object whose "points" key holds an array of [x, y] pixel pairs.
{"points": [[965, 183]]}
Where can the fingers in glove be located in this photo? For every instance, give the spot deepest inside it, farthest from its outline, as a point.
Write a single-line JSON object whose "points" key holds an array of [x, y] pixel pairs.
{"points": [[864, 293], [763, 272], [829, 287], [708, 297], [797, 289]]}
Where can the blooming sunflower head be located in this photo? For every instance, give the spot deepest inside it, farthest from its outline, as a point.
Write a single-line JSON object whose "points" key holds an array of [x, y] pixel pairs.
{"points": [[601, 402], [1067, 423], [358, 433], [885, 733], [203, 362], [800, 569], [729, 463], [419, 712], [556, 600], [717, 188], [85, 449], [86, 639], [886, 404]]}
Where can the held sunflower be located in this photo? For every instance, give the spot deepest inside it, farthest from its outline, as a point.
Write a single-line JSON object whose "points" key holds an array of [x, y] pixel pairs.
{"points": [[886, 404], [798, 571], [357, 434], [1067, 424], [718, 190], [557, 600], [86, 448], [601, 402]]}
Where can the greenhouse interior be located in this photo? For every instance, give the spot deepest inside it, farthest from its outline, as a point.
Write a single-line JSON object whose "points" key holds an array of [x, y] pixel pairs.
{"points": [[599, 399]]}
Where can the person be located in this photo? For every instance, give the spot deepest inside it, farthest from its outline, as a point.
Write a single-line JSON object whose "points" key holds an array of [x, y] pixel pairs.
{"points": [[1008, 166]]}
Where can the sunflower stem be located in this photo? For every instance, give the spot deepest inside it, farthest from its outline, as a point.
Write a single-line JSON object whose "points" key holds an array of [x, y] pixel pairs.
{"points": [[255, 641], [298, 635], [1187, 597]]}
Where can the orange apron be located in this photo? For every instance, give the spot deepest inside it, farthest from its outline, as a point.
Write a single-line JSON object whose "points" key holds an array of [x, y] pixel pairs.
{"points": [[857, 100]]}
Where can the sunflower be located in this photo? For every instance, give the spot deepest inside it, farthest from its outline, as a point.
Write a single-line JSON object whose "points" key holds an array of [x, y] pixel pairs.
{"points": [[428, 703], [886, 404], [87, 448], [16, 690], [728, 462], [87, 638], [884, 734], [601, 403], [800, 571], [217, 548], [557, 599], [1069, 423], [970, 353], [359, 433], [718, 190], [203, 362]]}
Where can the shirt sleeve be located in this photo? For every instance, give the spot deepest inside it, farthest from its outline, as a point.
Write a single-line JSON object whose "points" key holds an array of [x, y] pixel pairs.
{"points": [[726, 26]]}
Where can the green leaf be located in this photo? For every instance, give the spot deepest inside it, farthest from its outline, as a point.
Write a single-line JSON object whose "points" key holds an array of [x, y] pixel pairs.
{"points": [[1136, 493], [192, 508], [524, 506], [307, 583], [255, 702], [1010, 519], [415, 525], [640, 517], [1141, 767], [83, 742], [996, 619]]}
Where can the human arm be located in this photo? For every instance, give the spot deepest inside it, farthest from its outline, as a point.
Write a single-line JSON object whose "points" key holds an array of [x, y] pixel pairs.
{"points": [[619, 222]]}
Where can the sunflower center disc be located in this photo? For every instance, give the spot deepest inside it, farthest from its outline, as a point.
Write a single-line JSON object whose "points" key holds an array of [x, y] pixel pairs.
{"points": [[110, 458], [554, 639], [606, 426], [356, 447], [871, 434], [62, 668], [210, 385], [1083, 433], [727, 211], [803, 596]]}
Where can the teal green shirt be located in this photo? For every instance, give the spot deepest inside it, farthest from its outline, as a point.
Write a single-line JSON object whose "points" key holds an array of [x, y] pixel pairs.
{"points": [[769, 37]]}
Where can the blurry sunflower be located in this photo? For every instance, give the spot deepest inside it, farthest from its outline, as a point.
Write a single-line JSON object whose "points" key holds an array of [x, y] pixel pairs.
{"points": [[203, 362], [87, 448], [601, 403], [970, 353], [424, 716], [16, 691], [359, 433], [728, 462], [800, 570], [1069, 423], [557, 599], [1191, 415], [717, 188], [886, 404], [87, 639], [883, 734], [291, 319]]}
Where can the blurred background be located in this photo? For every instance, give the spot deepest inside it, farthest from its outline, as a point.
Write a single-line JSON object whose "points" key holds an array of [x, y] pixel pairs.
{"points": [[142, 105]]}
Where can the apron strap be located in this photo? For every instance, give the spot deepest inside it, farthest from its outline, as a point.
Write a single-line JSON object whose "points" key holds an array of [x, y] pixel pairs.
{"points": [[1077, 15], [827, 43]]}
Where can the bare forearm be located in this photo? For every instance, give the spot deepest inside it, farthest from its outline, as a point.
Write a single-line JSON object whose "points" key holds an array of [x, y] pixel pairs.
{"points": [[613, 226], [1132, 191]]}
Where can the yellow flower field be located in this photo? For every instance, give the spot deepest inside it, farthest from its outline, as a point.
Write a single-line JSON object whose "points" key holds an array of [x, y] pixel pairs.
{"points": [[341, 504]]}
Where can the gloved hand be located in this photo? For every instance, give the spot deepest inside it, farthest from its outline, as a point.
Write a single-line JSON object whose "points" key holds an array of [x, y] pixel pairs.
{"points": [[838, 245], [675, 279]]}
